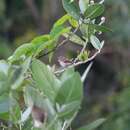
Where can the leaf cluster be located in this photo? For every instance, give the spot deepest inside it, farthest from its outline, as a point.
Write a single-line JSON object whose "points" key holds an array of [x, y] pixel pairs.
{"points": [[27, 83]]}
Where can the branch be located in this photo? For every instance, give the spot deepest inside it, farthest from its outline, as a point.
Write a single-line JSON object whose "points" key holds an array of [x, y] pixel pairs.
{"points": [[78, 63]]}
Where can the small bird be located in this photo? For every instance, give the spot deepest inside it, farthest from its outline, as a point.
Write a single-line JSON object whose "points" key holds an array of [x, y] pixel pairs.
{"points": [[39, 116], [64, 61]]}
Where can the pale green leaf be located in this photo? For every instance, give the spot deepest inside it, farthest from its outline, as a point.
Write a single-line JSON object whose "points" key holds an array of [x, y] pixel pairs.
{"points": [[87, 30], [4, 86], [45, 79], [21, 52], [4, 67], [17, 76], [83, 4], [58, 31], [4, 104], [95, 42], [70, 90], [93, 125], [74, 38], [33, 97], [94, 11], [68, 110], [100, 28], [43, 47]]}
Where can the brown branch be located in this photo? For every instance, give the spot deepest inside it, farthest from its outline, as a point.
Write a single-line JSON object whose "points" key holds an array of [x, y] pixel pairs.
{"points": [[78, 63]]}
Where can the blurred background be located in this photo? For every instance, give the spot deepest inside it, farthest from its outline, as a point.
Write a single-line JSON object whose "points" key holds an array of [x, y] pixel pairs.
{"points": [[107, 87]]}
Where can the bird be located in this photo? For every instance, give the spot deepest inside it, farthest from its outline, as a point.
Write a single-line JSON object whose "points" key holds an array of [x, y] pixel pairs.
{"points": [[63, 61]]}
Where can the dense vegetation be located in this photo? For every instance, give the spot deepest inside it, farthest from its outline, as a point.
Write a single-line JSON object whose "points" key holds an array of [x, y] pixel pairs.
{"points": [[23, 76]]}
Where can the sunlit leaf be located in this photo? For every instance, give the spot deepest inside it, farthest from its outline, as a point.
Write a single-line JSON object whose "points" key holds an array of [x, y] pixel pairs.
{"points": [[21, 52], [73, 22], [62, 20], [40, 39], [43, 47], [58, 31]]}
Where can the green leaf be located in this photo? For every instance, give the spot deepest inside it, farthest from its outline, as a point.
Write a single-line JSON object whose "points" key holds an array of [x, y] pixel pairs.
{"points": [[40, 39], [84, 29], [74, 38], [83, 4], [100, 28], [95, 42], [45, 79], [68, 110], [93, 125], [87, 31], [4, 86], [21, 52], [33, 97], [94, 11], [73, 22], [68, 73], [17, 75], [58, 31], [62, 20], [83, 56], [14, 111], [43, 47], [71, 8], [50, 56], [40, 43], [4, 104], [4, 67], [70, 90]]}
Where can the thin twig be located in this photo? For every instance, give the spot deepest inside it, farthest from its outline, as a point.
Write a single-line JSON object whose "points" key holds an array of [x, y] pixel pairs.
{"points": [[78, 63]]}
